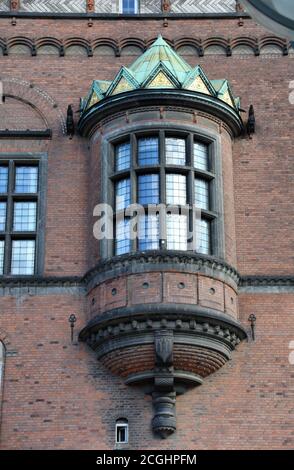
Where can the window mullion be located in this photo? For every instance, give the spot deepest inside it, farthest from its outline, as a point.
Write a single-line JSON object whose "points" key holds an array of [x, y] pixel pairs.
{"points": [[133, 182], [189, 155], [9, 218], [162, 200], [191, 202]]}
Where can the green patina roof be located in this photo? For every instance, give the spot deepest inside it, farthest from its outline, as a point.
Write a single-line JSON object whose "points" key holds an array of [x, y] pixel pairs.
{"points": [[160, 52], [160, 67]]}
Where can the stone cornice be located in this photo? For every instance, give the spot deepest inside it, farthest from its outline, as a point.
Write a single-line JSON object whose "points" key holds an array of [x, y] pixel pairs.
{"points": [[122, 264], [159, 261], [161, 97], [116, 16]]}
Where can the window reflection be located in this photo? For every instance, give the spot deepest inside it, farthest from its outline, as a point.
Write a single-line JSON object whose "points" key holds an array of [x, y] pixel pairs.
{"points": [[148, 151], [201, 156], [129, 6], [26, 179], [123, 194], [122, 239], [147, 185], [2, 216], [175, 150], [24, 219], [123, 156], [176, 191], [203, 236], [3, 179], [202, 193], [176, 229], [1, 256], [23, 257], [148, 232], [148, 189]]}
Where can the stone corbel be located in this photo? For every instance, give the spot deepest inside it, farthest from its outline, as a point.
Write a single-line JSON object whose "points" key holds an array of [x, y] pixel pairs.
{"points": [[164, 395]]}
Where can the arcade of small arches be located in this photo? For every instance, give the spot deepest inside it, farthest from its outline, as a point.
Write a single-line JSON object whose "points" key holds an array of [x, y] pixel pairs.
{"points": [[134, 46]]}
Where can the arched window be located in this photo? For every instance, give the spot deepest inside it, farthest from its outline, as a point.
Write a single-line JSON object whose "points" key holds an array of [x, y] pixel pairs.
{"points": [[171, 179], [129, 6]]}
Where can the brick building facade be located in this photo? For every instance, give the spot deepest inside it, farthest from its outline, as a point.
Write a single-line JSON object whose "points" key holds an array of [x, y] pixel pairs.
{"points": [[160, 317]]}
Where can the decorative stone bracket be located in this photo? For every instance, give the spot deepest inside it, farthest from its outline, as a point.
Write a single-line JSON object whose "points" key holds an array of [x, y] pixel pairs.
{"points": [[164, 349]]}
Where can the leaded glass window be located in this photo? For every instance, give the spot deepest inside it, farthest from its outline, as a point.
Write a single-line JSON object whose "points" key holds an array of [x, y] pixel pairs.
{"points": [[1, 256], [174, 171], [175, 151], [148, 189], [2, 216], [123, 194], [23, 257], [19, 206], [123, 156], [148, 151], [3, 179], [26, 179], [176, 190]]}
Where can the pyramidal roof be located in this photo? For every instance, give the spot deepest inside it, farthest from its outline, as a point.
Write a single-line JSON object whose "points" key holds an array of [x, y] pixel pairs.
{"points": [[160, 52], [160, 67]]}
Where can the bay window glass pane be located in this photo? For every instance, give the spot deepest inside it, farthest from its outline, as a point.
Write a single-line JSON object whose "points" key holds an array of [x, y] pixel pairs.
{"points": [[123, 194], [122, 238], [148, 153], [176, 231], [128, 6], [203, 236], [148, 189], [26, 179], [24, 217], [1, 256], [176, 191], [202, 194], [201, 156], [23, 257], [123, 156], [2, 216], [175, 151], [3, 179], [148, 232]]}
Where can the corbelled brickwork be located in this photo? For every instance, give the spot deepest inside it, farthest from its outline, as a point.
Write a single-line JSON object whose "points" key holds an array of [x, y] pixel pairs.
{"points": [[56, 394]]}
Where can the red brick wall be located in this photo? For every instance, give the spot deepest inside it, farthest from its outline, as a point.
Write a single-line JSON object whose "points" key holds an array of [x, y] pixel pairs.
{"points": [[56, 394], [258, 80]]}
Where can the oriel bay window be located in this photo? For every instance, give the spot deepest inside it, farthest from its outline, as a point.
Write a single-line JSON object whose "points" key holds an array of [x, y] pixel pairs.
{"points": [[175, 170], [19, 208]]}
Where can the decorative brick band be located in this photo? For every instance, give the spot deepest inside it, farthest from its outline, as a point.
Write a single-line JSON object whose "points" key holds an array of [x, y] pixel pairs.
{"points": [[201, 47]]}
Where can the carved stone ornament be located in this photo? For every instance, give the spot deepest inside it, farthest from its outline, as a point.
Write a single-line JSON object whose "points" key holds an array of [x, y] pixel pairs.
{"points": [[90, 6], [14, 5], [166, 6], [164, 348]]}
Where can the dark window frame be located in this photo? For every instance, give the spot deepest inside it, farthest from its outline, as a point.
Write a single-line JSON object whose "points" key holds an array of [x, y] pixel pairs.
{"points": [[10, 197], [189, 170]]}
